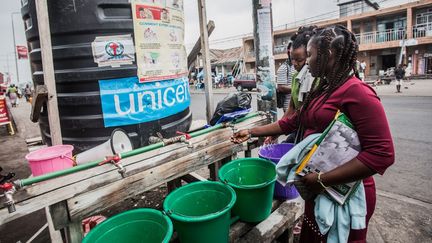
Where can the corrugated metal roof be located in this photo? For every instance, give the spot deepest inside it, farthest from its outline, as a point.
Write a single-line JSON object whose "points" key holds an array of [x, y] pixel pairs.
{"points": [[227, 56]]}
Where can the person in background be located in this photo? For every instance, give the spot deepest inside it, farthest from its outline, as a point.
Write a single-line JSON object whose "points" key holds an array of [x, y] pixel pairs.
{"points": [[27, 92], [362, 70], [301, 79], [284, 76], [332, 55], [400, 74], [12, 93]]}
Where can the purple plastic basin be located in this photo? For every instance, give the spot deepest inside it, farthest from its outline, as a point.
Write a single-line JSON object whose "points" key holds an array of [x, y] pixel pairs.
{"points": [[274, 152]]}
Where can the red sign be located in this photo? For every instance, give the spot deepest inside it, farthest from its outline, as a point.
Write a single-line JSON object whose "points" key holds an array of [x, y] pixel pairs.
{"points": [[4, 115], [150, 12], [22, 52]]}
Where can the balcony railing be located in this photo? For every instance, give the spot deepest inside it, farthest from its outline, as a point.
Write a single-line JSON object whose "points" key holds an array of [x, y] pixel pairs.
{"points": [[422, 30], [380, 36], [281, 49]]}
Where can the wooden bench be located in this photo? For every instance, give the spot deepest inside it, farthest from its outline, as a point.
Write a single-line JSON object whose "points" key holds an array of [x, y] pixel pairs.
{"points": [[74, 197], [279, 225]]}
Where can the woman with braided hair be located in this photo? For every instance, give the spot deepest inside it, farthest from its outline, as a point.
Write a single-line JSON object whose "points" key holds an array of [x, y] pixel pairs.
{"points": [[332, 54]]}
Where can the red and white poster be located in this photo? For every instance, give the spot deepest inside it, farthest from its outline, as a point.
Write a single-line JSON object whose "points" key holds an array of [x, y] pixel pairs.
{"points": [[4, 114], [159, 39], [22, 52]]}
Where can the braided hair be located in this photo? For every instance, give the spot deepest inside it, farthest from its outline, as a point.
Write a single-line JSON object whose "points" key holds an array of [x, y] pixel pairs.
{"points": [[340, 40], [302, 36]]}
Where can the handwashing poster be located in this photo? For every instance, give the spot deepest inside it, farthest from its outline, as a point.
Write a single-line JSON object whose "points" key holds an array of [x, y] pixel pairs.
{"points": [[159, 39]]}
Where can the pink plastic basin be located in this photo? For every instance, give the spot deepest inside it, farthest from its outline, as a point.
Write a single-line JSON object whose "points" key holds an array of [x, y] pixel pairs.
{"points": [[50, 159]]}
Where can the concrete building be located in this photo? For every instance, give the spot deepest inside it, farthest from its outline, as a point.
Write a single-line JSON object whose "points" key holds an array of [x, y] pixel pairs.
{"points": [[386, 36]]}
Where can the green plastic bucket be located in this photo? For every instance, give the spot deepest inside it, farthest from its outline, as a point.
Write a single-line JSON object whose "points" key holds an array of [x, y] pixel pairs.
{"points": [[253, 180], [200, 211], [133, 226]]}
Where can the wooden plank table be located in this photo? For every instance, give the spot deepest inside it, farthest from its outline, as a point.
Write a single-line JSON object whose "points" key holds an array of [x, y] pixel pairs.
{"points": [[73, 197]]}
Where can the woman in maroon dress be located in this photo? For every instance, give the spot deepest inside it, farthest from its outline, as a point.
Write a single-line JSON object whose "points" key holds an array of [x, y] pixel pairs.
{"points": [[332, 54]]}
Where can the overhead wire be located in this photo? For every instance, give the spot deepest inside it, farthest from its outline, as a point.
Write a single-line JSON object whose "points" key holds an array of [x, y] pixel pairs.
{"points": [[309, 20]]}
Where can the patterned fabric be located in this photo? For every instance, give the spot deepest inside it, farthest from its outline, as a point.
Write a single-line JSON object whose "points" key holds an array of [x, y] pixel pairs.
{"points": [[284, 77]]}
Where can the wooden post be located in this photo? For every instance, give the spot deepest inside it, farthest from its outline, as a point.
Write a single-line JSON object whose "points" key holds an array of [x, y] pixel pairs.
{"points": [[193, 54], [74, 233], [174, 184], [48, 70], [54, 234], [49, 79], [265, 66], [214, 170], [206, 59]]}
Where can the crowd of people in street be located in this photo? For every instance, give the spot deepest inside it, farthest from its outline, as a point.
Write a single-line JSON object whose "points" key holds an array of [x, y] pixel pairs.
{"points": [[219, 81], [14, 93]]}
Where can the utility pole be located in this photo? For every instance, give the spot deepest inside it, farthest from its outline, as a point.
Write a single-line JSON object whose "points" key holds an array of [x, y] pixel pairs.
{"points": [[264, 60], [7, 65], [15, 47], [206, 59]]}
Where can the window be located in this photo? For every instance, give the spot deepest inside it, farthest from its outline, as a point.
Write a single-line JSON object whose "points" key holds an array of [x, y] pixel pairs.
{"points": [[343, 10], [368, 27]]}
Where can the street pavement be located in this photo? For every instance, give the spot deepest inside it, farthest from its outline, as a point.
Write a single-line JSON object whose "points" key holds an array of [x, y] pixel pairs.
{"points": [[404, 199], [12, 152]]}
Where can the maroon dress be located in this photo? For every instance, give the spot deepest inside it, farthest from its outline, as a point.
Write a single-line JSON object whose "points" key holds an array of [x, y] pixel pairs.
{"points": [[361, 104]]}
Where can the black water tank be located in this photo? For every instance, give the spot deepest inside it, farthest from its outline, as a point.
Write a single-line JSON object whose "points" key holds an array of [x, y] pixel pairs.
{"points": [[74, 26]]}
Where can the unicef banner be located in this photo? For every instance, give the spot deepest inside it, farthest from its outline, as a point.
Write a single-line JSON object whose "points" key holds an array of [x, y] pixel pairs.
{"points": [[125, 101]]}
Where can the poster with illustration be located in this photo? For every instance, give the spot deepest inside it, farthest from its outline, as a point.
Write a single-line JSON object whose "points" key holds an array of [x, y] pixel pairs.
{"points": [[159, 39]]}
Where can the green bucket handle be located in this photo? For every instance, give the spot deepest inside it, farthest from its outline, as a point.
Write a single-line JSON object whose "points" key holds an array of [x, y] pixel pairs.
{"points": [[249, 186], [170, 212]]}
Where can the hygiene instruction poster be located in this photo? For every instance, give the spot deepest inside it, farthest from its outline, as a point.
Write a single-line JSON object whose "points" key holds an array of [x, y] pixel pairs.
{"points": [[159, 39], [125, 101]]}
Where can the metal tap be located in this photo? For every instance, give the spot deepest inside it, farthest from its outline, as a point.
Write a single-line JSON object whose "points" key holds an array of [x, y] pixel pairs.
{"points": [[120, 168], [184, 138], [9, 190], [115, 160], [232, 126]]}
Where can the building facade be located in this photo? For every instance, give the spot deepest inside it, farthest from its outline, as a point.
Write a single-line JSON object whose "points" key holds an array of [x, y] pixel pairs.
{"points": [[386, 37]]}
